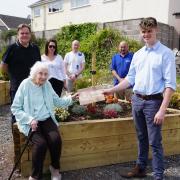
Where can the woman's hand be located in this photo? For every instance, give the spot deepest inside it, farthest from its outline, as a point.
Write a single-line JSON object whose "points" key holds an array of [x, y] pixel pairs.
{"points": [[34, 125], [75, 96]]}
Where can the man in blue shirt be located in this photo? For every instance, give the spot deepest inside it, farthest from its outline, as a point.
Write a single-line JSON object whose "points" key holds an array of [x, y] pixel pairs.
{"points": [[152, 74], [120, 67]]}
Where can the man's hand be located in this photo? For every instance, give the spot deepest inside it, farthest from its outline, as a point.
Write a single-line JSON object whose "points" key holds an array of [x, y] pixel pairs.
{"points": [[34, 125], [159, 117], [107, 91], [72, 77]]}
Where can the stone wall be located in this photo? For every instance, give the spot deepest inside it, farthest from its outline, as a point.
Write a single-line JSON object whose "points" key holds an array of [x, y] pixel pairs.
{"points": [[130, 28]]}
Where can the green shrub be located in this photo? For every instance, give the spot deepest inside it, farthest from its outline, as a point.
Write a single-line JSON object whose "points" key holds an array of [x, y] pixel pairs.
{"points": [[79, 110], [115, 107], [73, 32], [6, 35], [2, 75], [82, 83], [175, 101]]}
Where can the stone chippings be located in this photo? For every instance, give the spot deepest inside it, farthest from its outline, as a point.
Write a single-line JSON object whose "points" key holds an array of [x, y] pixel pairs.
{"points": [[111, 172]]}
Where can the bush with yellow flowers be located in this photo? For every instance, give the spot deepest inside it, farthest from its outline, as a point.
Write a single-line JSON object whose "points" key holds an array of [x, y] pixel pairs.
{"points": [[61, 114]]}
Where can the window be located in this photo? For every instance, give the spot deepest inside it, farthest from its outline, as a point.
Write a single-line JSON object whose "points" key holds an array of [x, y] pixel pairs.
{"points": [[79, 3], [56, 6], [108, 0], [37, 11]]}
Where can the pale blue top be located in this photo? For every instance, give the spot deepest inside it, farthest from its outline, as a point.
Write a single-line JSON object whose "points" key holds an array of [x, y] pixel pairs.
{"points": [[152, 70], [23, 104], [41, 112]]}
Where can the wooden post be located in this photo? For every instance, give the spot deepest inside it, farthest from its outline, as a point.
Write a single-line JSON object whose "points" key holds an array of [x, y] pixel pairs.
{"points": [[93, 71]]}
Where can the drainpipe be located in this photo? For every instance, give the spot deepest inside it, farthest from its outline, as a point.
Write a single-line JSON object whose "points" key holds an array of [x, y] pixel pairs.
{"points": [[122, 9], [44, 21]]}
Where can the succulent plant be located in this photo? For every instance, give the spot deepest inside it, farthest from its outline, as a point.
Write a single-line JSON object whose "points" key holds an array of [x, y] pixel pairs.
{"points": [[110, 113], [116, 107], [79, 110], [61, 114]]}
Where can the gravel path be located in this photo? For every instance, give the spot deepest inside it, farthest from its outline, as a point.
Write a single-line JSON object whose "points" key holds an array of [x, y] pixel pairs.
{"points": [[112, 172]]}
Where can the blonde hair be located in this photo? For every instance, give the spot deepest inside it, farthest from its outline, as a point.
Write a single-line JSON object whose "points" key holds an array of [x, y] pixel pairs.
{"points": [[37, 67]]}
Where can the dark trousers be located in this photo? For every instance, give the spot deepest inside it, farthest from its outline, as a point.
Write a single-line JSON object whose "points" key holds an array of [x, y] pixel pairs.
{"points": [[46, 136], [57, 85], [148, 133]]}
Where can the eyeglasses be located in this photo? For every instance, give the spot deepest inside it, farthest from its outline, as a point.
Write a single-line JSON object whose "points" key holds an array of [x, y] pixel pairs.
{"points": [[51, 46]]}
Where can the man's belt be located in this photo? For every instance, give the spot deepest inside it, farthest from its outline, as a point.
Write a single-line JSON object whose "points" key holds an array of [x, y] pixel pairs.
{"points": [[158, 96]]}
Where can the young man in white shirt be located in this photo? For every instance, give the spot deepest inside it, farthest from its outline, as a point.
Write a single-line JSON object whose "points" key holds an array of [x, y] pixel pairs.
{"points": [[74, 65]]}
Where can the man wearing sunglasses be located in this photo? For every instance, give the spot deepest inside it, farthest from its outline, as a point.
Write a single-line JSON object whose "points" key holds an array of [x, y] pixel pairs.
{"points": [[16, 62]]}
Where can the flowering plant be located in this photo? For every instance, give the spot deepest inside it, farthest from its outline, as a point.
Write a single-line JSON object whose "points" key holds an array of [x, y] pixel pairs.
{"points": [[61, 114]]}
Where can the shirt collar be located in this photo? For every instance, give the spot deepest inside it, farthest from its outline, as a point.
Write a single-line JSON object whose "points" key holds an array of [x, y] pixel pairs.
{"points": [[154, 47], [19, 44]]}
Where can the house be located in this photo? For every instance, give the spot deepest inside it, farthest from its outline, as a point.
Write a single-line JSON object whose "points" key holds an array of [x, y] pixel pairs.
{"points": [[11, 22], [48, 15]]}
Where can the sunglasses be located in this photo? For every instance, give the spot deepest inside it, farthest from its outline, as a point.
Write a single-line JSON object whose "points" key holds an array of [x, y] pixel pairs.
{"points": [[52, 46]]}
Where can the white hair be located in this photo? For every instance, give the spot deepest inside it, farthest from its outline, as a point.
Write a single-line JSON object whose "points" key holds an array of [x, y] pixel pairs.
{"points": [[37, 67], [75, 42]]}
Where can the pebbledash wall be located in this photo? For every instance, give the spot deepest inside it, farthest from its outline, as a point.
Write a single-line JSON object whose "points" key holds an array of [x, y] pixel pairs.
{"points": [[167, 34], [130, 28]]}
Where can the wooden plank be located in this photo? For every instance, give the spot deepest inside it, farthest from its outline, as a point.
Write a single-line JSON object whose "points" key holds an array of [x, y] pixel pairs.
{"points": [[2, 92], [97, 159], [108, 143], [7, 92], [99, 128]]}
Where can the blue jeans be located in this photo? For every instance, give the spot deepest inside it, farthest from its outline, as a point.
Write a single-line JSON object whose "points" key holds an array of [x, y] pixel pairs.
{"points": [[148, 133]]}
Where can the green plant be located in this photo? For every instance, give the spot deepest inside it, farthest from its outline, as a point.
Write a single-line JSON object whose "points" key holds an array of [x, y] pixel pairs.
{"points": [[175, 101], [61, 114], [116, 107], [40, 42], [82, 83], [79, 110], [69, 33], [110, 113], [3, 76], [6, 35], [178, 80]]}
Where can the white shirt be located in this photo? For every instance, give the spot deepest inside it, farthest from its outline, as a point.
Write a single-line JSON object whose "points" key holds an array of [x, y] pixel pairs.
{"points": [[74, 61], [56, 67]]}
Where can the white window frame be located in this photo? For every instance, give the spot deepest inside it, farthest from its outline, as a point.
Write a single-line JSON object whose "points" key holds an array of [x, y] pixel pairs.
{"points": [[37, 11], [105, 1], [51, 6], [76, 4]]}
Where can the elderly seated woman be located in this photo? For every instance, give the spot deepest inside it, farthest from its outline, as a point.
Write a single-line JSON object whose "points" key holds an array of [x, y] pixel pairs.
{"points": [[33, 107]]}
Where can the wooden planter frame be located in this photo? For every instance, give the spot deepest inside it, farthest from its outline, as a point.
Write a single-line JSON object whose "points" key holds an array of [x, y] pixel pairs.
{"points": [[4, 92], [92, 143]]}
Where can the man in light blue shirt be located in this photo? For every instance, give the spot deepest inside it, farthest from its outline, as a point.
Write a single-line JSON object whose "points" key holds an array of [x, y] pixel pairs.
{"points": [[152, 74]]}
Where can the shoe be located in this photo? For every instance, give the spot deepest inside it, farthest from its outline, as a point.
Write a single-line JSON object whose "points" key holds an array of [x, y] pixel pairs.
{"points": [[30, 178], [55, 175], [136, 172]]}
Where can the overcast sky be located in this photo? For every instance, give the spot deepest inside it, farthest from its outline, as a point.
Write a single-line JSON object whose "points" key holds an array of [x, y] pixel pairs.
{"points": [[16, 7]]}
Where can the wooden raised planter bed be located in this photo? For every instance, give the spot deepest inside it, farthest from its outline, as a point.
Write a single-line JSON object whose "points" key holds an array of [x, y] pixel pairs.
{"points": [[92, 143], [4, 92]]}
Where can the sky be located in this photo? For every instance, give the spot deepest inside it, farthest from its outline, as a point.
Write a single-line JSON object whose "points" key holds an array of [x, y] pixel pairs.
{"points": [[16, 7]]}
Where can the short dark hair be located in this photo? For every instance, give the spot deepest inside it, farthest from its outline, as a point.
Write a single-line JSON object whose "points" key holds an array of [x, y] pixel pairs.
{"points": [[47, 44], [21, 26], [148, 22]]}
